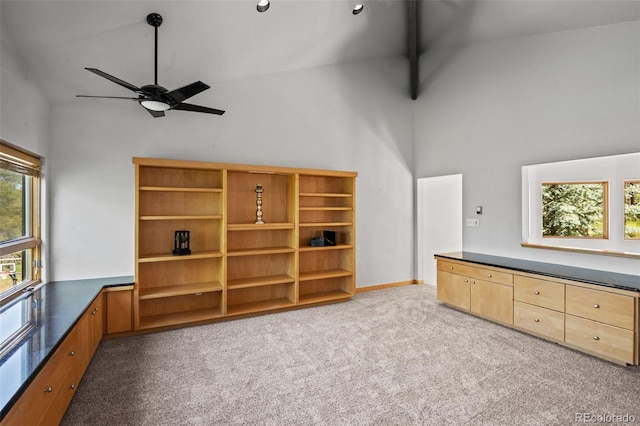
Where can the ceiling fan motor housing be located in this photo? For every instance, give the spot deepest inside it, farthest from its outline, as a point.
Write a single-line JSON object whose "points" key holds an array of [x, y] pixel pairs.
{"points": [[154, 19]]}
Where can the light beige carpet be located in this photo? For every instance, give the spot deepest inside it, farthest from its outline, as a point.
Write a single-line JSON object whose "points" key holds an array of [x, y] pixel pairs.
{"points": [[387, 357]]}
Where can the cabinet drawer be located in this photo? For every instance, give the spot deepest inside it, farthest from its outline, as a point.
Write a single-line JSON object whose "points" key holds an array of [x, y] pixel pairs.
{"points": [[541, 321], [603, 339], [546, 294], [602, 306], [476, 272]]}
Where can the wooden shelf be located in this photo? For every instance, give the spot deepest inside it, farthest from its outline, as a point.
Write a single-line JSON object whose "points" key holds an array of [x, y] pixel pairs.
{"points": [[261, 250], [256, 227], [325, 208], [338, 247], [179, 318], [264, 305], [323, 297], [325, 195], [179, 189], [325, 224], [259, 281], [321, 275], [183, 217], [180, 289], [168, 257]]}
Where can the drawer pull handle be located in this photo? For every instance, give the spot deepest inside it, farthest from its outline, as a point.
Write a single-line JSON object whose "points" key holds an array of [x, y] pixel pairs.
{"points": [[49, 389], [536, 320], [596, 338], [72, 353], [536, 292], [451, 267], [473, 282], [596, 306], [489, 275], [466, 280], [72, 387]]}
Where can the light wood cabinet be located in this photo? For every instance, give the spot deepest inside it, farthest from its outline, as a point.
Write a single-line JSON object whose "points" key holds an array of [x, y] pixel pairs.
{"points": [[237, 266], [598, 320], [482, 291]]}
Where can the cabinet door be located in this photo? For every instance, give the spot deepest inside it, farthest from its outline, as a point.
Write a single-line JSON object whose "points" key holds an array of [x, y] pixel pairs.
{"points": [[119, 316], [494, 301], [453, 290]]}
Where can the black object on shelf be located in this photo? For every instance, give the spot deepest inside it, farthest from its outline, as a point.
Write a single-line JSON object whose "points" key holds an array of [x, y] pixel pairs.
{"points": [[181, 243]]}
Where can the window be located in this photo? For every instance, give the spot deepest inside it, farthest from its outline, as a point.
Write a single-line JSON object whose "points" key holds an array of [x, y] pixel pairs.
{"points": [[590, 205], [632, 209], [19, 220], [574, 209]]}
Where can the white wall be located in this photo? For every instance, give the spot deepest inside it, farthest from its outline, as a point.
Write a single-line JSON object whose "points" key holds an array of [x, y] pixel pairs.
{"points": [[353, 116], [24, 120], [493, 107]]}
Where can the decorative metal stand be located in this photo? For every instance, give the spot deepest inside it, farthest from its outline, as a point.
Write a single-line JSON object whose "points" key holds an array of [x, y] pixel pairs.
{"points": [[181, 243], [259, 191]]}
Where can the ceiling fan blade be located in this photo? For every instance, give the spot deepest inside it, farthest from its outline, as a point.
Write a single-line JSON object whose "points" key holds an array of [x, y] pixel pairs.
{"points": [[155, 114], [198, 108], [114, 79], [108, 97], [187, 91]]}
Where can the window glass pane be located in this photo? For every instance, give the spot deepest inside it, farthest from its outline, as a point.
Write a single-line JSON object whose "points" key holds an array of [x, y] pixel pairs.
{"points": [[13, 205], [576, 210], [12, 270], [632, 209]]}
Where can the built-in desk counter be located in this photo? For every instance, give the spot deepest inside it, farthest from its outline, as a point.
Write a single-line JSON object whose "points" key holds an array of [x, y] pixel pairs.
{"points": [[35, 326], [596, 312]]}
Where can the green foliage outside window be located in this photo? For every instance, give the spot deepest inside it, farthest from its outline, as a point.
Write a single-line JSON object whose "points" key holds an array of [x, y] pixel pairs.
{"points": [[632, 209], [12, 187], [574, 210]]}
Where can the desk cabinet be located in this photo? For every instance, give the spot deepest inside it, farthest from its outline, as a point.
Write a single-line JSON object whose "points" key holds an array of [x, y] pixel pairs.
{"points": [[598, 320], [46, 399]]}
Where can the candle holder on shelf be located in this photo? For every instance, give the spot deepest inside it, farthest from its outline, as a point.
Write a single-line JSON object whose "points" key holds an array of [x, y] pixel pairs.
{"points": [[259, 191], [181, 243]]}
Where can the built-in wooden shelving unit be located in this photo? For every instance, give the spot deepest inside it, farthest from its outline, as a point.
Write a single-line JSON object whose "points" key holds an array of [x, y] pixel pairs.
{"points": [[236, 266]]}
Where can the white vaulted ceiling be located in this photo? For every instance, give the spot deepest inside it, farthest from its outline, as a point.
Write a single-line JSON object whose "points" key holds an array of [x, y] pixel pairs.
{"points": [[215, 41]]}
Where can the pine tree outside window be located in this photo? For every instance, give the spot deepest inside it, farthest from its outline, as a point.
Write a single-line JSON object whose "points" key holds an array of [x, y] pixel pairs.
{"points": [[574, 209]]}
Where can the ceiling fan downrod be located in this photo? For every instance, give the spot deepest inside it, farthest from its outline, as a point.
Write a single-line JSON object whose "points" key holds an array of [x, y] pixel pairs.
{"points": [[155, 20]]}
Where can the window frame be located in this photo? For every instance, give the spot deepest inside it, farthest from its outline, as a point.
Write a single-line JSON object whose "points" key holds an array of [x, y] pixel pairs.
{"points": [[624, 221], [605, 210], [614, 169], [28, 164]]}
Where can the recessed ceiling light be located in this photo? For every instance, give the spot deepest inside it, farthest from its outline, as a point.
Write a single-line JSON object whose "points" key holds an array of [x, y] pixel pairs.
{"points": [[263, 5], [357, 9]]}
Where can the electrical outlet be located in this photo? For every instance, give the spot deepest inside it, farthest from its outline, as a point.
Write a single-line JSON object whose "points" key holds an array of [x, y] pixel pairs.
{"points": [[473, 222]]}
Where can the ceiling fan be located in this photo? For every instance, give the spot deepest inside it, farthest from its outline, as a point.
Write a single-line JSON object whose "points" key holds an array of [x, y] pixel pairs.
{"points": [[153, 97]]}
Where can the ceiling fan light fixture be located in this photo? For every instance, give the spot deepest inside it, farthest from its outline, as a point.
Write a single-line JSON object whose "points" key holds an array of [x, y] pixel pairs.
{"points": [[263, 5], [155, 105], [357, 9]]}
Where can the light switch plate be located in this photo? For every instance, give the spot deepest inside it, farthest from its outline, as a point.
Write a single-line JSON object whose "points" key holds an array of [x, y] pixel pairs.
{"points": [[473, 222]]}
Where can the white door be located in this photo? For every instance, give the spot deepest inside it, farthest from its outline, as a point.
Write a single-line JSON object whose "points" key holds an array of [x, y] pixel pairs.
{"points": [[439, 220]]}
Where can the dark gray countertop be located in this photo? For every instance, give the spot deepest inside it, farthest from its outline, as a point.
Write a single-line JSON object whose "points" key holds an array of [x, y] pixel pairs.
{"points": [[47, 313], [591, 276]]}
